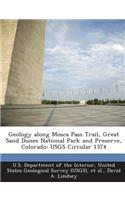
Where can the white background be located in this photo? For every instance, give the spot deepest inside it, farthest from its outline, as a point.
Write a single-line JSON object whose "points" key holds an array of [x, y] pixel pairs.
{"points": [[77, 9], [110, 147]]}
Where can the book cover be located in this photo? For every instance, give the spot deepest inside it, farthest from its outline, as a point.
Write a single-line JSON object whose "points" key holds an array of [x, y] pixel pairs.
{"points": [[62, 97]]}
